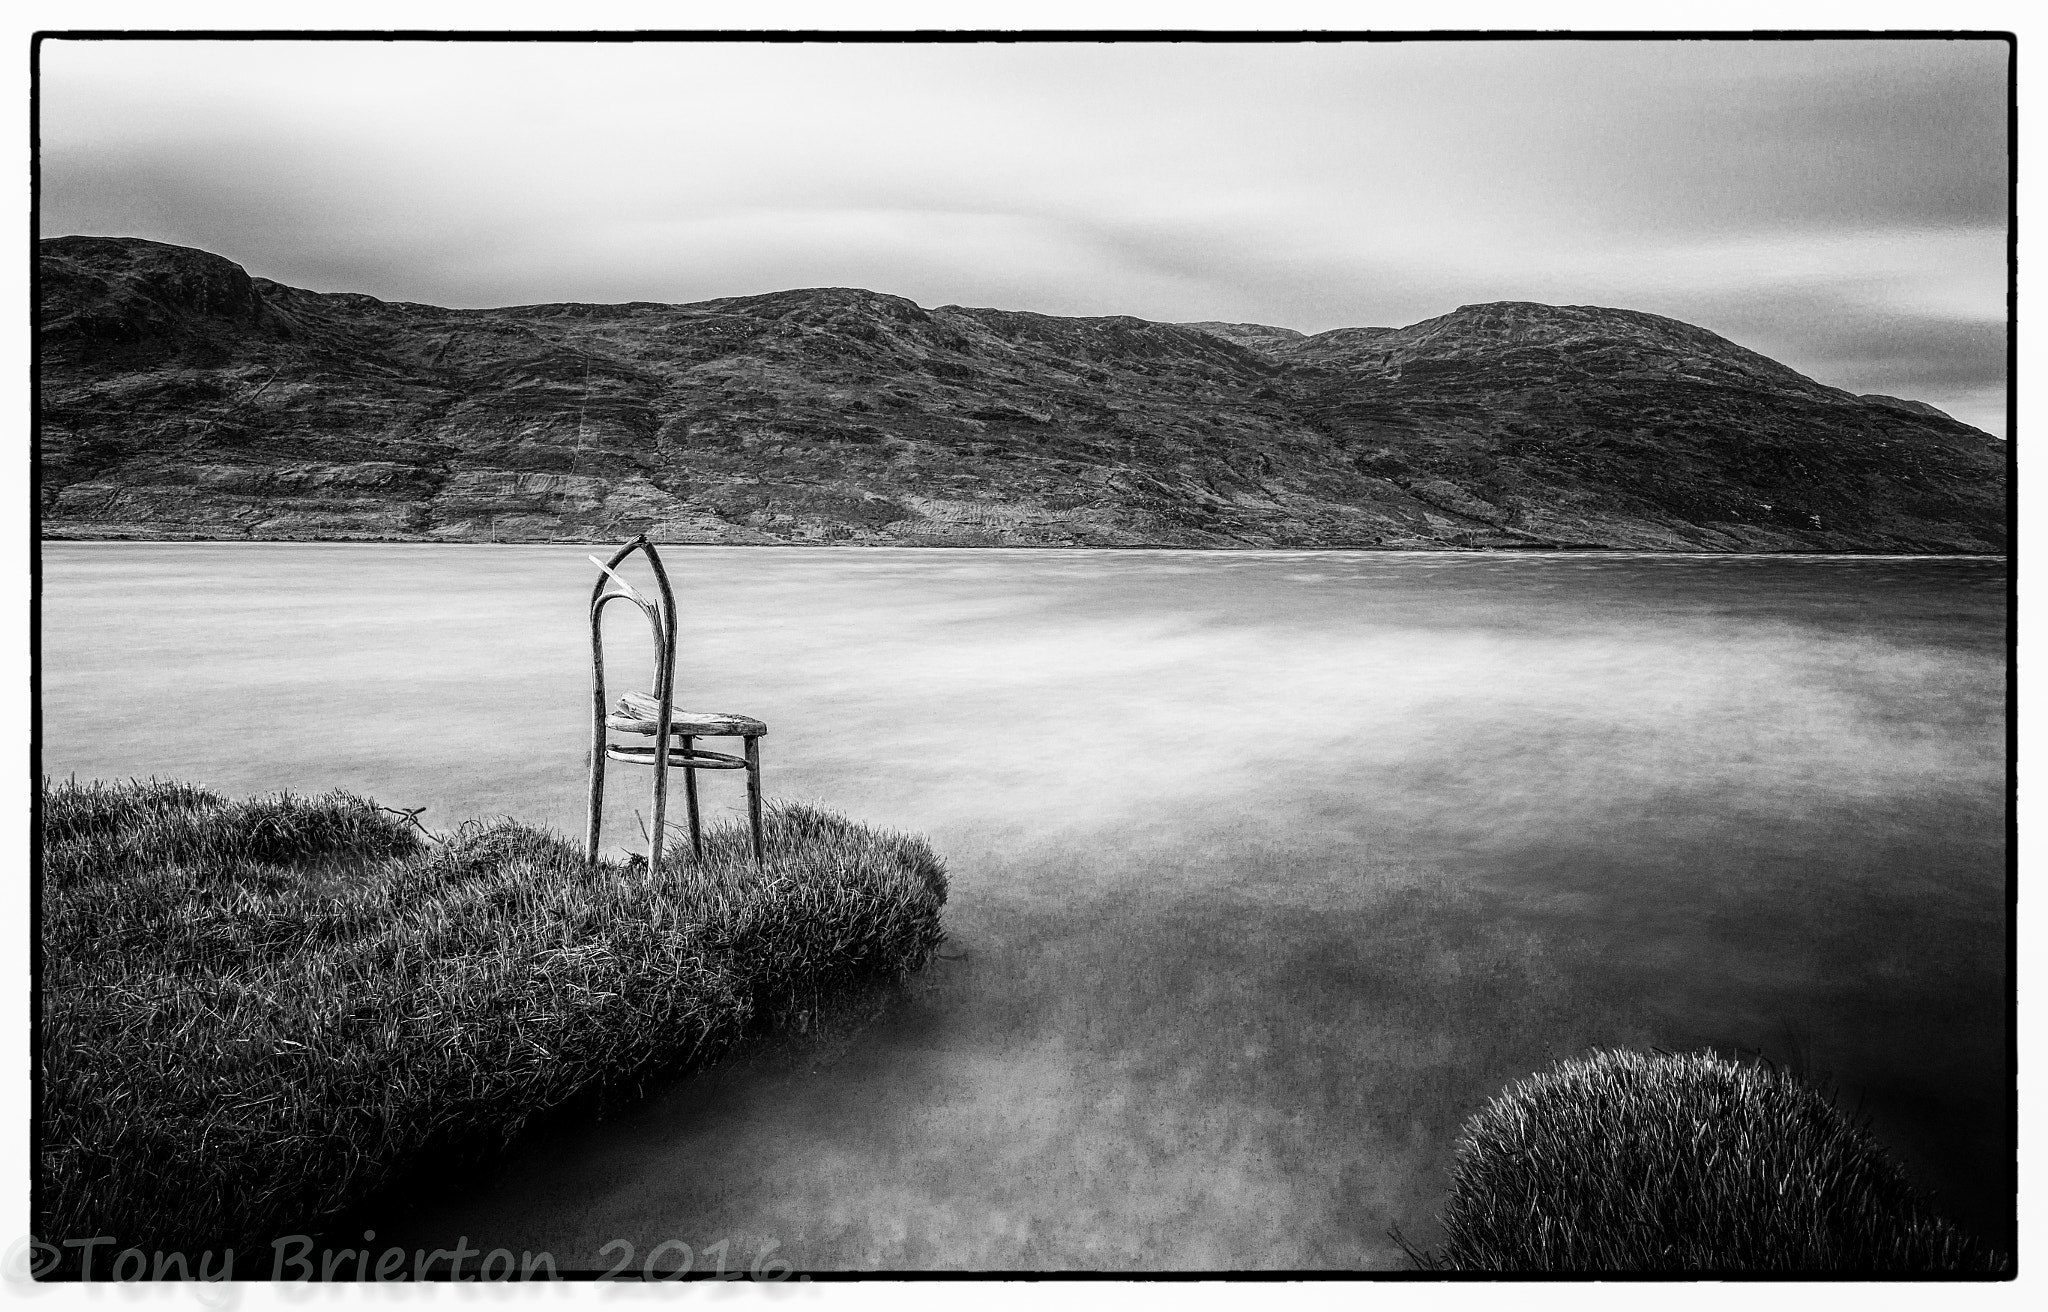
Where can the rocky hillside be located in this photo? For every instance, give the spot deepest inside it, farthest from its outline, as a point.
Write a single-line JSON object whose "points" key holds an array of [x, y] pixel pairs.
{"points": [[183, 398]]}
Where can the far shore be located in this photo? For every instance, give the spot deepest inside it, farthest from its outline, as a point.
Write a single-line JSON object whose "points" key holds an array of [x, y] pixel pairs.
{"points": [[1423, 550]]}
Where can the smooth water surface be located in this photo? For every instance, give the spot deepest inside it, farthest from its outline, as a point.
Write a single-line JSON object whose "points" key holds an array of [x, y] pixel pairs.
{"points": [[1268, 868]]}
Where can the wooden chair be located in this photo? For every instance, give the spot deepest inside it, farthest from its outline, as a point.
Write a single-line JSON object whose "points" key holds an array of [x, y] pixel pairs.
{"points": [[655, 715]]}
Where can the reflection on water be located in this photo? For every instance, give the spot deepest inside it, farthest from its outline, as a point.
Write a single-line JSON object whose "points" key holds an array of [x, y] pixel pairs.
{"points": [[1268, 867]]}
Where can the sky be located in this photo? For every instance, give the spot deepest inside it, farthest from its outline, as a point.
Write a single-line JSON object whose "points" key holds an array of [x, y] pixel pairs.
{"points": [[1839, 205]]}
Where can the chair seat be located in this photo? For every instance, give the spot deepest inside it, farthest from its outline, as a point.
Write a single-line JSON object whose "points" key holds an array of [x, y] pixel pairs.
{"points": [[639, 713]]}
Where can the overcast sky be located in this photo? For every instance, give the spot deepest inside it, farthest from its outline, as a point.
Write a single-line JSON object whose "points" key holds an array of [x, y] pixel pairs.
{"points": [[1838, 205]]}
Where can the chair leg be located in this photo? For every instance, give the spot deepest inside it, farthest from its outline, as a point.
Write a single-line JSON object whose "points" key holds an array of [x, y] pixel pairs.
{"points": [[690, 796], [596, 798], [754, 796], [660, 808], [597, 758]]}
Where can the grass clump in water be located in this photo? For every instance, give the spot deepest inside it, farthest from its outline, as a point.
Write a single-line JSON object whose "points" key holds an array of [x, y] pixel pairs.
{"points": [[256, 1013], [1624, 1161]]}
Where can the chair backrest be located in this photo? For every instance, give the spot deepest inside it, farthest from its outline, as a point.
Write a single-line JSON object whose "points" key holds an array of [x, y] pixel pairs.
{"points": [[660, 614], [661, 617]]}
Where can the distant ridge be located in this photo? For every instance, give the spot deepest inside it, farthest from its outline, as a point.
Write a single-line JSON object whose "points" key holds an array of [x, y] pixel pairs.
{"points": [[183, 398], [1263, 338]]}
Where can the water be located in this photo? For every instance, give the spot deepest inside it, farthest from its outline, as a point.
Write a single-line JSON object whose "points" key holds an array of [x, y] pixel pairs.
{"points": [[1268, 867]]}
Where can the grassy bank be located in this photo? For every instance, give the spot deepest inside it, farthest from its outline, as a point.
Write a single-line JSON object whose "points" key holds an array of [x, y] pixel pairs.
{"points": [[1624, 1161], [255, 1013]]}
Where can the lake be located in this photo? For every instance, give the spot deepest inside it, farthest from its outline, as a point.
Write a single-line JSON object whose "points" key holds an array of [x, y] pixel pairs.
{"points": [[1268, 868]]}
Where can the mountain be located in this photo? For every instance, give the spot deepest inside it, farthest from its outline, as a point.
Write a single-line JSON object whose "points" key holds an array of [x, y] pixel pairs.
{"points": [[181, 398]]}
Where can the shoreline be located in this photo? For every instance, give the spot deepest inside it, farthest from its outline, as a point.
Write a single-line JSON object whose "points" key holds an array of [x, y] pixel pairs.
{"points": [[1433, 550]]}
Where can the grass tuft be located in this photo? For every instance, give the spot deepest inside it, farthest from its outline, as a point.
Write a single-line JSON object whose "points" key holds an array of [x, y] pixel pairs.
{"points": [[258, 1013], [1624, 1161]]}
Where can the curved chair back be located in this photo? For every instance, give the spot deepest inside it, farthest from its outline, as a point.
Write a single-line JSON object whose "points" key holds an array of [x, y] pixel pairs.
{"points": [[661, 617]]}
